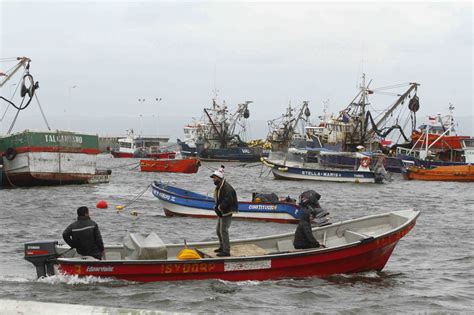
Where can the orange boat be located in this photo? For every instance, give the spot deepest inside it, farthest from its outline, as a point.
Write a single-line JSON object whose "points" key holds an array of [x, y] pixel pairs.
{"points": [[190, 165], [456, 173]]}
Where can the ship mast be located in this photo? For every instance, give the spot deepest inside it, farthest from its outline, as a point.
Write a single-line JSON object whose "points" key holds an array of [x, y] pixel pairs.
{"points": [[22, 62]]}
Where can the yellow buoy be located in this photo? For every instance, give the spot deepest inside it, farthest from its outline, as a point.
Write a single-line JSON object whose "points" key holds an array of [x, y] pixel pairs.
{"points": [[119, 207], [187, 254], [134, 212]]}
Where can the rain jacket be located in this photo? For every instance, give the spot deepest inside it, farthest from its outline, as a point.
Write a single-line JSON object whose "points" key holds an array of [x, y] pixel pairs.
{"points": [[225, 199], [304, 237], [84, 236]]}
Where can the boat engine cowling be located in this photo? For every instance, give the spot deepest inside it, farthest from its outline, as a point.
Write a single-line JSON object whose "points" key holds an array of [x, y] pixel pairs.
{"points": [[42, 254]]}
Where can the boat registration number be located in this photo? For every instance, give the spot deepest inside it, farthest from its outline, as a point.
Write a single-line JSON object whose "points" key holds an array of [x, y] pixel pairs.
{"points": [[247, 265], [167, 197]]}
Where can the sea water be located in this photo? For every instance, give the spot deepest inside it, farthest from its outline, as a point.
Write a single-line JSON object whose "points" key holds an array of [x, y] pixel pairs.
{"points": [[430, 270]]}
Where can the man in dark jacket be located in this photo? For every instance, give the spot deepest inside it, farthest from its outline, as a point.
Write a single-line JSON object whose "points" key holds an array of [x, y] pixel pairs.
{"points": [[84, 235], [304, 237], [225, 205]]}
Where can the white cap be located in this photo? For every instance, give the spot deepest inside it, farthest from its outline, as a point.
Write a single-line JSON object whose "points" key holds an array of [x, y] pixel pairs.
{"points": [[219, 172]]}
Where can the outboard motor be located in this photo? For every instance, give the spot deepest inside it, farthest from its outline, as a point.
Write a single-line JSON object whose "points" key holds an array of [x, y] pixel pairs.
{"points": [[42, 254]]}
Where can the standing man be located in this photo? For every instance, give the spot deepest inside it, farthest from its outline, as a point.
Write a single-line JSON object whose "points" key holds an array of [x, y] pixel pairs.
{"points": [[225, 205], [84, 235]]}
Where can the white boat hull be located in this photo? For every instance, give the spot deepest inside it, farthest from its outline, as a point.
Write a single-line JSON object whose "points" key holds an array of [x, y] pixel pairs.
{"points": [[178, 210]]}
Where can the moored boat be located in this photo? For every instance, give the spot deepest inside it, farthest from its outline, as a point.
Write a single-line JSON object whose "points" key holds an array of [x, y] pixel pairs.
{"points": [[456, 173], [59, 157], [292, 166], [351, 246], [215, 137], [134, 146], [189, 165], [439, 133], [180, 202], [51, 158]]}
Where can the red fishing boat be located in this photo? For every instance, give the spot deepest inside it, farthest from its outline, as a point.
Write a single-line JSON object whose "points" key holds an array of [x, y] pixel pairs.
{"points": [[350, 246], [188, 166], [443, 142], [455, 173], [438, 133]]}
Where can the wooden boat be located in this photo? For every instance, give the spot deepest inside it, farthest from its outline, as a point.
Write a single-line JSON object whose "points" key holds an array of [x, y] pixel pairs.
{"points": [[350, 246], [457, 173], [293, 167], [181, 202], [188, 166]]}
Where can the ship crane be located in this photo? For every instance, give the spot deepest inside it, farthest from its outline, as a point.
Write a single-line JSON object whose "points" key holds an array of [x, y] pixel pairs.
{"points": [[27, 86]]}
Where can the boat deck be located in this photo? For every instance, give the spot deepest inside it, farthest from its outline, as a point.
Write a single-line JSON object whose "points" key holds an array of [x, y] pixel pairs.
{"points": [[243, 250]]}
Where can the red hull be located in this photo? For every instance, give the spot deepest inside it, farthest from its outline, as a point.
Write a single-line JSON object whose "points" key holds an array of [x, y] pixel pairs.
{"points": [[358, 257], [168, 165], [445, 143]]}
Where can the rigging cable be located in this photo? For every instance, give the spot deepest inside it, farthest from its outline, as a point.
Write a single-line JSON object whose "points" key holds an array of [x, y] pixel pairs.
{"points": [[42, 113], [137, 196]]}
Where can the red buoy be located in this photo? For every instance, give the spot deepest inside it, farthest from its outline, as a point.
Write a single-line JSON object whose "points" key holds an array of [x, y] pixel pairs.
{"points": [[102, 204]]}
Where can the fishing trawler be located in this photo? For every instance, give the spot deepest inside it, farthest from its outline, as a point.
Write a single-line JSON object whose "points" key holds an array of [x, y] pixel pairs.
{"points": [[215, 136], [436, 143], [353, 130], [52, 157], [133, 146], [285, 130], [356, 125]]}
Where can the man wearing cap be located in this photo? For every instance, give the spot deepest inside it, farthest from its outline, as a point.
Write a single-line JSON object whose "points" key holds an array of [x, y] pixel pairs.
{"points": [[225, 205], [84, 235]]}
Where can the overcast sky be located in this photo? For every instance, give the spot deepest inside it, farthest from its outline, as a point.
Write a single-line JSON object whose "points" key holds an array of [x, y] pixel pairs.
{"points": [[272, 53]]}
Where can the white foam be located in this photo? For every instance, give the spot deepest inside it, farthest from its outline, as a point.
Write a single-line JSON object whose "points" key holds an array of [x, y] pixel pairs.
{"points": [[73, 279]]}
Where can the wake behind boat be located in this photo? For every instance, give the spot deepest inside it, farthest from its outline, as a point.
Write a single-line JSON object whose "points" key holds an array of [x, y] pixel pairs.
{"points": [[350, 246], [181, 202]]}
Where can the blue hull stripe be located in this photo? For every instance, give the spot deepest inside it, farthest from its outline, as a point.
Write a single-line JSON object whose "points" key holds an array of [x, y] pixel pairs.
{"points": [[190, 199]]}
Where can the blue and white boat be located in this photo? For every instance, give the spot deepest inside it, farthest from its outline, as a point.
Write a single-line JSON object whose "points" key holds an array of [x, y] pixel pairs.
{"points": [[294, 166], [181, 202]]}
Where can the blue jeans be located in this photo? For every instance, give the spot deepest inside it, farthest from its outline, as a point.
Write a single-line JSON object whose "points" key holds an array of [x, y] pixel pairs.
{"points": [[222, 230]]}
